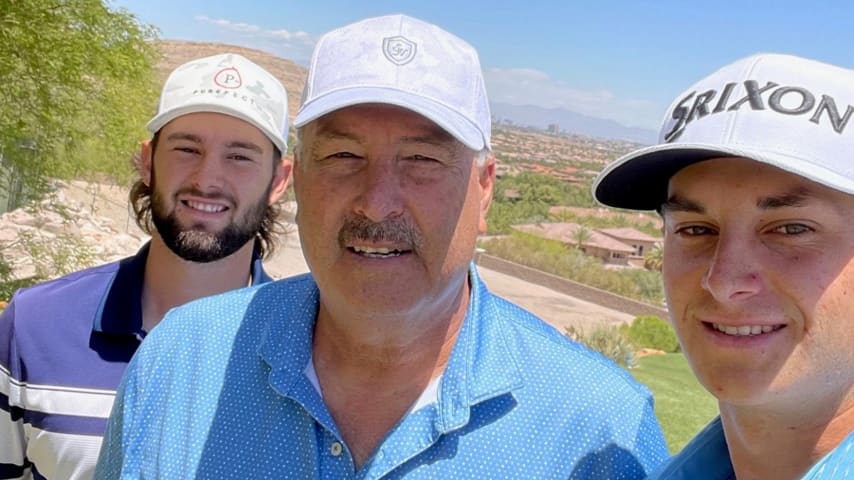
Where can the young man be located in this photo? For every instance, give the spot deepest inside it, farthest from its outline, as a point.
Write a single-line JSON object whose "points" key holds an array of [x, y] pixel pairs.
{"points": [[755, 182], [391, 359], [210, 177]]}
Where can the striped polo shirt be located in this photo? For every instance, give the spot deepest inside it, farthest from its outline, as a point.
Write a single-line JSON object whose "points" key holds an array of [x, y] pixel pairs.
{"points": [[64, 345]]}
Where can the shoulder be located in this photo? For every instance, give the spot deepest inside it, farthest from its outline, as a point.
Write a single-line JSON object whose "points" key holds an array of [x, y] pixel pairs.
{"points": [[76, 296], [542, 347], [218, 318], [69, 286]]}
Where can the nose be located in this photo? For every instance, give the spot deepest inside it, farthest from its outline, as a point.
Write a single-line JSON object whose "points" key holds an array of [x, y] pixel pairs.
{"points": [[208, 174], [734, 272], [381, 192]]}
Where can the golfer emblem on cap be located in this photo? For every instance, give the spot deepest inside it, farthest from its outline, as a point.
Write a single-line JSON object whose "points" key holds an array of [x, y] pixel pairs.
{"points": [[228, 78], [398, 50]]}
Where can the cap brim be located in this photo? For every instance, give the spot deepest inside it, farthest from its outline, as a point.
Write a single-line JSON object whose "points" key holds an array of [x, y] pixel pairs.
{"points": [[639, 180], [445, 117], [158, 122]]}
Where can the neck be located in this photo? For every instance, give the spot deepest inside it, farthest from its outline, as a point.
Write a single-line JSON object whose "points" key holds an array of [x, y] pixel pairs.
{"points": [[372, 369], [171, 281], [784, 444]]}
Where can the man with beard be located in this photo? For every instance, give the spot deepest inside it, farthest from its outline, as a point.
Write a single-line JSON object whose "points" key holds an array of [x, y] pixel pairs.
{"points": [[391, 359], [210, 178]]}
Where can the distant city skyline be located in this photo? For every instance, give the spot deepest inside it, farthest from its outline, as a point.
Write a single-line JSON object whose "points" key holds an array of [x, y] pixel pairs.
{"points": [[617, 60]]}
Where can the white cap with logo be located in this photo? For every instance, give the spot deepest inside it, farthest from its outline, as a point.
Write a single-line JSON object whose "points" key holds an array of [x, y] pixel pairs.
{"points": [[230, 84], [785, 111], [403, 61]]}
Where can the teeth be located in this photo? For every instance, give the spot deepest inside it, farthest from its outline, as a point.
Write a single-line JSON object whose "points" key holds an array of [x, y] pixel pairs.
{"points": [[377, 252], [743, 330], [205, 207]]}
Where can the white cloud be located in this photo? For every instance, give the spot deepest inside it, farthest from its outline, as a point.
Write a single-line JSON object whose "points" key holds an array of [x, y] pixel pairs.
{"points": [[524, 86], [517, 86], [292, 45]]}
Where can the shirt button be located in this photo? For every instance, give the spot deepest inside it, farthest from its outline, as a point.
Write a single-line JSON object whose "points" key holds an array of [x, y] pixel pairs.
{"points": [[336, 449]]}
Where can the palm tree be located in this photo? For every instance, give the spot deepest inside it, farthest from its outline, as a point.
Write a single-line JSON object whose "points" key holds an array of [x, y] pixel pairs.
{"points": [[581, 235], [653, 259]]}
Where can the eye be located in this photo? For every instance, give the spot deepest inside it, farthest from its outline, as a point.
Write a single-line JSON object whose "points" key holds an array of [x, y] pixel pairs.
{"points": [[792, 229], [694, 230], [182, 149], [343, 155], [421, 158], [241, 158]]}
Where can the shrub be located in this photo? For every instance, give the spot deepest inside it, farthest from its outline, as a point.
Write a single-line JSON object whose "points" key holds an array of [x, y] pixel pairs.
{"points": [[609, 341], [649, 331]]}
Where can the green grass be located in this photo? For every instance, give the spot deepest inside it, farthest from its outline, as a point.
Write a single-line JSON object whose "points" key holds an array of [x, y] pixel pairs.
{"points": [[683, 406]]}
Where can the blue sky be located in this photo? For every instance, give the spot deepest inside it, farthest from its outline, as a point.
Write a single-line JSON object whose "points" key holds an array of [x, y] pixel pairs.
{"points": [[616, 59]]}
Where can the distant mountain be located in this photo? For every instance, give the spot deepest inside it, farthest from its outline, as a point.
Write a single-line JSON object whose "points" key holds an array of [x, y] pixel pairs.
{"points": [[176, 52], [570, 122]]}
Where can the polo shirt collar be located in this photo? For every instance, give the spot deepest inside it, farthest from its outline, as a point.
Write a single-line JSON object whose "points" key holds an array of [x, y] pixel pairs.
{"points": [[705, 456], [481, 367], [120, 311], [482, 364]]}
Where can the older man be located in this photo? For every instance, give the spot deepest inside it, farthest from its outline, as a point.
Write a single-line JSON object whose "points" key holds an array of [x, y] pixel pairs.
{"points": [[210, 178], [755, 182], [391, 359]]}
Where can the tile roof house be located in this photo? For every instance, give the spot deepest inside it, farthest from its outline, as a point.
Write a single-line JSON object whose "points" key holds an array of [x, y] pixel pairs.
{"points": [[639, 241], [593, 242]]}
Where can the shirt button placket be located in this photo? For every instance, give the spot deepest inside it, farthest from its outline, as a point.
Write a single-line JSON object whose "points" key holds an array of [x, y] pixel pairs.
{"points": [[335, 449]]}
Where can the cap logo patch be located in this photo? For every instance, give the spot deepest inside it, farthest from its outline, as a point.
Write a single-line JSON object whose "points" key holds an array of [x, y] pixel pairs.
{"points": [[399, 50], [228, 78], [781, 99]]}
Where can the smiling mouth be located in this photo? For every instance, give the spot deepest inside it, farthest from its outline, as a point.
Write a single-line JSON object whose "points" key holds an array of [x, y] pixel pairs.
{"points": [[745, 330], [204, 207], [376, 252]]}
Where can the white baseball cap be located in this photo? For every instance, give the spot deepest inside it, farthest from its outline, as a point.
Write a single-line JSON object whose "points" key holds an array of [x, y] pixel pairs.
{"points": [[230, 84], [402, 61], [785, 111]]}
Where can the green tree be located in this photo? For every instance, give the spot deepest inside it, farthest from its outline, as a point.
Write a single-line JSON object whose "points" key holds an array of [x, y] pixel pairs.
{"points": [[581, 235], [653, 258], [649, 331], [78, 84]]}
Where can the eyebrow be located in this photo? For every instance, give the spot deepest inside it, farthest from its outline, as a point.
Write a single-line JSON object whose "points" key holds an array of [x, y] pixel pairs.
{"points": [[794, 198], [233, 144], [797, 197], [677, 203], [245, 146], [184, 136]]}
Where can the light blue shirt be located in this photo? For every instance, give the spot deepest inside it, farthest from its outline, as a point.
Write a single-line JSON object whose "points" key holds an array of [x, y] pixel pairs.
{"points": [[706, 457], [218, 390]]}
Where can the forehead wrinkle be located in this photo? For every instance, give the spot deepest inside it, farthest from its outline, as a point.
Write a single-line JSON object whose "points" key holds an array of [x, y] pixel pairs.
{"points": [[434, 136]]}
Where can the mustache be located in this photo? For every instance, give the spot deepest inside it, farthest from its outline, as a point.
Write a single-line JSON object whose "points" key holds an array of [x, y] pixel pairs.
{"points": [[392, 230]]}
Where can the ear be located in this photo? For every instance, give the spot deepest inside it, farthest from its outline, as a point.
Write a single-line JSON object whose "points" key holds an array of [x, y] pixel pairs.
{"points": [[487, 183], [281, 177], [145, 160]]}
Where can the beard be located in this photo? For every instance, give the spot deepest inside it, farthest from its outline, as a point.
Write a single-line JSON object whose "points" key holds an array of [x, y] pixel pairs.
{"points": [[194, 243]]}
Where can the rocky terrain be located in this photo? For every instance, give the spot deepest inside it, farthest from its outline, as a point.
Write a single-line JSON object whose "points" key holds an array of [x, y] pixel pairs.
{"points": [[75, 226]]}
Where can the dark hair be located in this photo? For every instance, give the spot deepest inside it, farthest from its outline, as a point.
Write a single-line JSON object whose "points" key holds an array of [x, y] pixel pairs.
{"points": [[266, 237]]}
